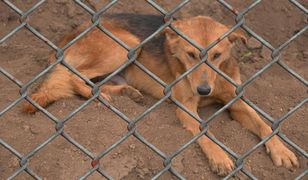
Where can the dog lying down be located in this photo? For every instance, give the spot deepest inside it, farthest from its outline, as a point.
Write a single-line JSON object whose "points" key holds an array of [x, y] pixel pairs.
{"points": [[167, 56]]}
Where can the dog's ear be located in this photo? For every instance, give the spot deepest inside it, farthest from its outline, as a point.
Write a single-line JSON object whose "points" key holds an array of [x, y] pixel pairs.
{"points": [[238, 35], [170, 34]]}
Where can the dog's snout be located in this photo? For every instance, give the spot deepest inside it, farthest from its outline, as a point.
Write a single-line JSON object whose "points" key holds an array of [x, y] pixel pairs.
{"points": [[204, 89]]}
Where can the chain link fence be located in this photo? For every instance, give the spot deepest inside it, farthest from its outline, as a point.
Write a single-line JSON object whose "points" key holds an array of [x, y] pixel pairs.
{"points": [[132, 57]]}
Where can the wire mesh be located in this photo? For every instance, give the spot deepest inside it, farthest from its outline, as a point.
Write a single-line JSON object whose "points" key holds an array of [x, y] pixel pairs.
{"points": [[132, 57]]}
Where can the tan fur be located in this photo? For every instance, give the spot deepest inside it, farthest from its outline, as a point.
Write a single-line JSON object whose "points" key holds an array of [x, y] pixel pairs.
{"points": [[97, 55]]}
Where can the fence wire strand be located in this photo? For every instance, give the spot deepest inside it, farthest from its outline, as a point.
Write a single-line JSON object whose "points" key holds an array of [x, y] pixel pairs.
{"points": [[132, 59]]}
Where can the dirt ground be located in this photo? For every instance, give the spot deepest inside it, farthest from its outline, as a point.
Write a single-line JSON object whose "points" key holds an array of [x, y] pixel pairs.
{"points": [[96, 127]]}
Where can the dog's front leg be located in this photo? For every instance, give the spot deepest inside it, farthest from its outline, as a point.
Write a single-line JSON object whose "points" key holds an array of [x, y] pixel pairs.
{"points": [[218, 159], [249, 118]]}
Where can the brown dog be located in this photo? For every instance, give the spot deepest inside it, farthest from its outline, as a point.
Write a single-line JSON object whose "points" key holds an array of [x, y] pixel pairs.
{"points": [[168, 56]]}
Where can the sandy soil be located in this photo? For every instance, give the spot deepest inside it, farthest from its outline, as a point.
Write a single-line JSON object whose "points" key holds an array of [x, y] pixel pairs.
{"points": [[96, 127]]}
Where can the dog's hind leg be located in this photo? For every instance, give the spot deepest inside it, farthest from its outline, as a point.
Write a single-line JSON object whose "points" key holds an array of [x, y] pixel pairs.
{"points": [[84, 90], [123, 90], [119, 87]]}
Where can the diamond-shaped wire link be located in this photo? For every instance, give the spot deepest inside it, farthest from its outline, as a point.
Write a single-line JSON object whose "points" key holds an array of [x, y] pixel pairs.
{"points": [[132, 57]]}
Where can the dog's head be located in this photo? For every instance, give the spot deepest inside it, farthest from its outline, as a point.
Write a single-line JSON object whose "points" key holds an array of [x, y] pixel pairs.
{"points": [[183, 55]]}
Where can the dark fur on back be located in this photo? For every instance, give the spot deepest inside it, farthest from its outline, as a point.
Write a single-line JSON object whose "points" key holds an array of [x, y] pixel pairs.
{"points": [[142, 25]]}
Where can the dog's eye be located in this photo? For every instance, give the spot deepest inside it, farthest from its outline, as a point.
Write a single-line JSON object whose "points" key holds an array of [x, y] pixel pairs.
{"points": [[216, 55], [192, 55]]}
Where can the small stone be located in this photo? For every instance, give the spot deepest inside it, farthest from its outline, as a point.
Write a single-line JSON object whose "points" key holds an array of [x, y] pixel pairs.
{"points": [[254, 59], [74, 24], [143, 171], [4, 45], [140, 176], [115, 155], [26, 127], [253, 43], [146, 170], [34, 130], [284, 9], [40, 10], [71, 12], [55, 10], [132, 146], [305, 54], [288, 14], [200, 163], [14, 162]]}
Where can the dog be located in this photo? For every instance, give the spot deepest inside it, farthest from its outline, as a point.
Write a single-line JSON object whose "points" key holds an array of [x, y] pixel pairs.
{"points": [[167, 56]]}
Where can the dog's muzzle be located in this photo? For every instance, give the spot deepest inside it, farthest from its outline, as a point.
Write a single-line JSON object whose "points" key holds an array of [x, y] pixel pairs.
{"points": [[204, 89]]}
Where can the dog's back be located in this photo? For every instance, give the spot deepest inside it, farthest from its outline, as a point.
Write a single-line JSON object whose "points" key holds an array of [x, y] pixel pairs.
{"points": [[142, 26]]}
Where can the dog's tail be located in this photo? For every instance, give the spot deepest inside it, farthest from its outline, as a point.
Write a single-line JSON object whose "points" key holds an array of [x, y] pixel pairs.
{"points": [[55, 87]]}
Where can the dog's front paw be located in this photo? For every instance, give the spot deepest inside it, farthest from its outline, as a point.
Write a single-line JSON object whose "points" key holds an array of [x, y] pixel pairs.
{"points": [[221, 164], [282, 156], [133, 94]]}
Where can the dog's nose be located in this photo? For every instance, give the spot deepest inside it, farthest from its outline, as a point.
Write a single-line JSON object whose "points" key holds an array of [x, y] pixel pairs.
{"points": [[204, 89]]}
